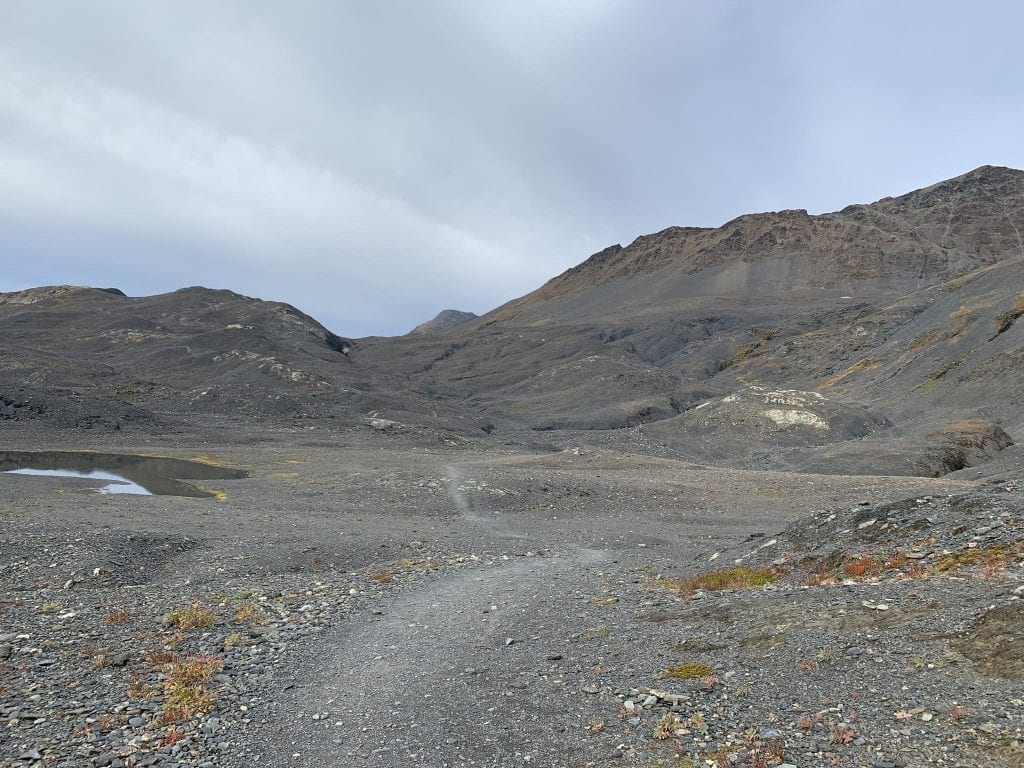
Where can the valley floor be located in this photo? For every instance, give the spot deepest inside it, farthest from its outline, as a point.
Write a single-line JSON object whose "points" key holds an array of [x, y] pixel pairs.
{"points": [[367, 599]]}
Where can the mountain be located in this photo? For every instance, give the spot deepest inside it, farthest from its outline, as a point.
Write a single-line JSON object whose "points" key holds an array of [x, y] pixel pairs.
{"points": [[92, 358], [869, 304], [883, 337], [889, 247], [446, 321]]}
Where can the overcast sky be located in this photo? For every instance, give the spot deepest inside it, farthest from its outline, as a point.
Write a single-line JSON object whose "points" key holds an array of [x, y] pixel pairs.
{"points": [[376, 162]]}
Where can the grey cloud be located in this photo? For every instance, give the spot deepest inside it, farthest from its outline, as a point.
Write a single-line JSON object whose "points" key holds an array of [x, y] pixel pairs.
{"points": [[375, 162]]}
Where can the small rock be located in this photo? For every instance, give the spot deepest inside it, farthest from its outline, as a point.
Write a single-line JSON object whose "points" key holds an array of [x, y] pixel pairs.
{"points": [[875, 606]]}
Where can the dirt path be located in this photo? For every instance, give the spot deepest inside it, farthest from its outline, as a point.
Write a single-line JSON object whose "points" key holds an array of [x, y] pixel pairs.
{"points": [[461, 672]]}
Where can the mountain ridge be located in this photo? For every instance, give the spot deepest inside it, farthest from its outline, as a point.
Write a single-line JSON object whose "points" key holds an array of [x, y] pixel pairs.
{"points": [[859, 241], [897, 321]]}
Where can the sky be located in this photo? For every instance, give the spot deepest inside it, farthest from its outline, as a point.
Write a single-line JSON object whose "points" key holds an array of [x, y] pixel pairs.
{"points": [[375, 162]]}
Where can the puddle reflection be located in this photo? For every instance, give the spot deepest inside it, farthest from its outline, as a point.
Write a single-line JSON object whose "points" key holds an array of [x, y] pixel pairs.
{"points": [[125, 473], [119, 484]]}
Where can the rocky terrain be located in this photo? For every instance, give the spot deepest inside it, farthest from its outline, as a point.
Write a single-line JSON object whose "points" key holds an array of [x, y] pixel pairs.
{"points": [[745, 496]]}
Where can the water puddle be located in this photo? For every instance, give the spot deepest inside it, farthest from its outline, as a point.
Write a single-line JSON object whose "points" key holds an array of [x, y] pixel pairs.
{"points": [[120, 473], [120, 484]]}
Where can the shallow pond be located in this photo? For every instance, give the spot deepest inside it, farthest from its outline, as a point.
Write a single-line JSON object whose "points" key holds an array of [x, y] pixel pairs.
{"points": [[121, 473]]}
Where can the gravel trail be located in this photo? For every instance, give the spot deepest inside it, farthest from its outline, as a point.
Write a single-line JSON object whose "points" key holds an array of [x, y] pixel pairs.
{"points": [[448, 675]]}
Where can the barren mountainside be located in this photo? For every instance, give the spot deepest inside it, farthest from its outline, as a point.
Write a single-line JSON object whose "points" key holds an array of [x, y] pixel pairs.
{"points": [[903, 311], [922, 237]]}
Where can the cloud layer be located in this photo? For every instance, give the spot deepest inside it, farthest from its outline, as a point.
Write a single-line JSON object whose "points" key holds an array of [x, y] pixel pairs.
{"points": [[374, 163]]}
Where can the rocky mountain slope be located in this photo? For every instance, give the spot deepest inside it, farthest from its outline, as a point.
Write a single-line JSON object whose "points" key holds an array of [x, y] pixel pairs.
{"points": [[84, 357], [906, 307], [903, 312], [888, 247]]}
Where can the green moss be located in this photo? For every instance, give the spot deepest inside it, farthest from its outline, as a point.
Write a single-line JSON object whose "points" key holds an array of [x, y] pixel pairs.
{"points": [[689, 671], [740, 577]]}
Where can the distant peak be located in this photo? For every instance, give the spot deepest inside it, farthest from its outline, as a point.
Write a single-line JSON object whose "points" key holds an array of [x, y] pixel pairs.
{"points": [[989, 170], [988, 174], [985, 180], [445, 320]]}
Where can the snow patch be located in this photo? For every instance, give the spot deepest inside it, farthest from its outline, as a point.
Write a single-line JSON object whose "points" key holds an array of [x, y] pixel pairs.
{"points": [[795, 417]]}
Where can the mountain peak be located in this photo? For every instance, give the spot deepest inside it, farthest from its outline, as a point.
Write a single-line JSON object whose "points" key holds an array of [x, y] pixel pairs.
{"points": [[994, 177], [445, 320]]}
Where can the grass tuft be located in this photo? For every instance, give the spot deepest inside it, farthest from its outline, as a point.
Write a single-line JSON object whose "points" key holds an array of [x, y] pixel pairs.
{"points": [[865, 567], [186, 688], [251, 614], [998, 556], [689, 671], [199, 670], [187, 701], [195, 616], [741, 577], [233, 640]]}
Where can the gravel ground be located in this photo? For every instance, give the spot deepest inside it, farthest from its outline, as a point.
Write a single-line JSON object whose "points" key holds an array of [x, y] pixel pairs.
{"points": [[377, 600]]}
